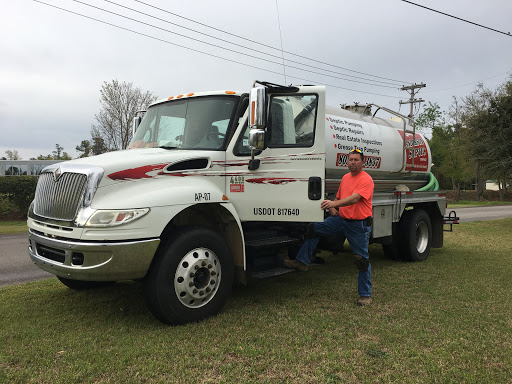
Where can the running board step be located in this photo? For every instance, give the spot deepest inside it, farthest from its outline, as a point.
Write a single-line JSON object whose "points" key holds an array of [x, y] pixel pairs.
{"points": [[271, 273], [272, 241]]}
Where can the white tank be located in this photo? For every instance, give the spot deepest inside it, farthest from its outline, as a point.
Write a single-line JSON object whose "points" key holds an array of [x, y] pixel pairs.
{"points": [[382, 143]]}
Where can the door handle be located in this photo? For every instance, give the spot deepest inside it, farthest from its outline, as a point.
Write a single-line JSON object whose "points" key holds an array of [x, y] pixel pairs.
{"points": [[315, 188]]}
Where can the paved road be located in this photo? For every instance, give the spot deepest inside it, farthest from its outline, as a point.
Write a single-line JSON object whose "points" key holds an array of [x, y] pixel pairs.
{"points": [[483, 213], [15, 264], [16, 267]]}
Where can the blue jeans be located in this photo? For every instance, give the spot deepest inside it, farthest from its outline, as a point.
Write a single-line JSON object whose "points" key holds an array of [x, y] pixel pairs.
{"points": [[358, 236]]}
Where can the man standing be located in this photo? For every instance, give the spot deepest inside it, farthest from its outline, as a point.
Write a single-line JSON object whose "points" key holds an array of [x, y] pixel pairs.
{"points": [[354, 220]]}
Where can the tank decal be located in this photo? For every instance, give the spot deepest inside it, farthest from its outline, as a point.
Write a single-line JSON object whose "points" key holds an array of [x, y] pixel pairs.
{"points": [[381, 143], [420, 153], [372, 162]]}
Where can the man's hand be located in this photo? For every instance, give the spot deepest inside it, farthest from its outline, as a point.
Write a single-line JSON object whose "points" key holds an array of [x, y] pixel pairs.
{"points": [[349, 200], [327, 204]]}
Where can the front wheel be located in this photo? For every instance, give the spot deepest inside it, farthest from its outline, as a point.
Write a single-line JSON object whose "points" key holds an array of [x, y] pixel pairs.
{"points": [[190, 278], [416, 235]]}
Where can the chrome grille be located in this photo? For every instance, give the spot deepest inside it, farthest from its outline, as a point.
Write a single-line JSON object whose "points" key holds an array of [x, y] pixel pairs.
{"points": [[59, 199]]}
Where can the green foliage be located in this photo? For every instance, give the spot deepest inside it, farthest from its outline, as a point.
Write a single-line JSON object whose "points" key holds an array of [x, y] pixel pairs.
{"points": [[430, 118], [84, 148], [98, 146], [448, 147], [58, 154], [19, 190], [489, 122]]}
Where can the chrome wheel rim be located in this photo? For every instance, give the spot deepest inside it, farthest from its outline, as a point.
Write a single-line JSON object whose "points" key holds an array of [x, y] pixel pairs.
{"points": [[197, 277], [421, 237]]}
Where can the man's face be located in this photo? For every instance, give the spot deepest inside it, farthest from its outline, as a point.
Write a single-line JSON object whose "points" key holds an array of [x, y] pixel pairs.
{"points": [[355, 164]]}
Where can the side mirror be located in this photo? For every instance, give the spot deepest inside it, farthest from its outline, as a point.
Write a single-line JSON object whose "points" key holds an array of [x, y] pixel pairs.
{"points": [[257, 123], [136, 123], [257, 102], [257, 139]]}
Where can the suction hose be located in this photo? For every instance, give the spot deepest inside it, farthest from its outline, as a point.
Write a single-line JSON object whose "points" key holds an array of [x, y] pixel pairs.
{"points": [[432, 184]]}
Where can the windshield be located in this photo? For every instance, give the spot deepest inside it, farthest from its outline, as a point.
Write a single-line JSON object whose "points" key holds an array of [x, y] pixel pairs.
{"points": [[197, 123]]}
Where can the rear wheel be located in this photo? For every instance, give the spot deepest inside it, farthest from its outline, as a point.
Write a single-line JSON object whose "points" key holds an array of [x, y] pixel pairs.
{"points": [[416, 235], [190, 278]]}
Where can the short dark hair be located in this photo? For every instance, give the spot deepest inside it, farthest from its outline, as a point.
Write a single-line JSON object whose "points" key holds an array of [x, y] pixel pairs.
{"points": [[357, 151]]}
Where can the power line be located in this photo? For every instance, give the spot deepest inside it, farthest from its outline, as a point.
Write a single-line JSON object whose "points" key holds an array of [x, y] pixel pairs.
{"points": [[228, 49], [243, 46], [458, 18], [268, 46], [473, 82], [204, 53]]}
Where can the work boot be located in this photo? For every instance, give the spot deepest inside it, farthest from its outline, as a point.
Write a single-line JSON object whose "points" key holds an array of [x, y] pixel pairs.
{"points": [[361, 263], [295, 264], [364, 301]]}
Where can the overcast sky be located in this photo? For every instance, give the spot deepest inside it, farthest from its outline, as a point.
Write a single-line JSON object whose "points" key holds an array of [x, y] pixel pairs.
{"points": [[53, 63]]}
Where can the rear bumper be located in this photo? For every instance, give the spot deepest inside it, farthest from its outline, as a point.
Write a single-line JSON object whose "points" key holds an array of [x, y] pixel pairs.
{"points": [[92, 261]]}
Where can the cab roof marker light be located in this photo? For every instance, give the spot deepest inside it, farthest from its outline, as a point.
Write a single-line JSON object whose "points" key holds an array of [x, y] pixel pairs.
{"points": [[179, 97], [190, 94], [231, 93], [170, 98]]}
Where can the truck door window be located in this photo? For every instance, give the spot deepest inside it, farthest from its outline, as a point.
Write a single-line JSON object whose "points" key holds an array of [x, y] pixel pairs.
{"points": [[291, 121]]}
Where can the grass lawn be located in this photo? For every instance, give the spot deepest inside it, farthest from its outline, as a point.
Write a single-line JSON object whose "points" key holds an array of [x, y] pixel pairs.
{"points": [[9, 227], [446, 320]]}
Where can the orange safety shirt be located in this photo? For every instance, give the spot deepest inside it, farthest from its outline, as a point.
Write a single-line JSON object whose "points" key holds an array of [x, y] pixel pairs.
{"points": [[361, 184]]}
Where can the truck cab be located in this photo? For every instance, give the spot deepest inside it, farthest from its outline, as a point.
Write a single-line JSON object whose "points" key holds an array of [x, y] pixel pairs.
{"points": [[191, 205]]}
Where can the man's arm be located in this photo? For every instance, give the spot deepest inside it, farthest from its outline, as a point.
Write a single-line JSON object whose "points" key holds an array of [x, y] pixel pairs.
{"points": [[349, 200]]}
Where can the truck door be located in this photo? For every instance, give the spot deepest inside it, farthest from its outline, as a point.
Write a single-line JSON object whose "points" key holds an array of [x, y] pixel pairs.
{"points": [[288, 185]]}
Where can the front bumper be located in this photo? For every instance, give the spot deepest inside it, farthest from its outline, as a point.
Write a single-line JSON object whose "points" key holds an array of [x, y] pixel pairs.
{"points": [[92, 261]]}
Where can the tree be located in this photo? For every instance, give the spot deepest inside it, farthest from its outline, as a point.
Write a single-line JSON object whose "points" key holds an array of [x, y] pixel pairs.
{"points": [[12, 155], [98, 146], [84, 148], [430, 118], [449, 145], [491, 128], [119, 105], [488, 117], [58, 154]]}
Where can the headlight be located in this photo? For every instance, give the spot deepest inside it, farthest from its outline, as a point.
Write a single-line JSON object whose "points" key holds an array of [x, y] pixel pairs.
{"points": [[107, 218]]}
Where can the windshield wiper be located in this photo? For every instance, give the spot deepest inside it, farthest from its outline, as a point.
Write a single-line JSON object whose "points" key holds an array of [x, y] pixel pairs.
{"points": [[166, 147]]}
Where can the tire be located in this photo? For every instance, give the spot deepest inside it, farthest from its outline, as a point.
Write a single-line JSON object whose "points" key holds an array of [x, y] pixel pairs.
{"points": [[80, 285], [416, 235], [190, 278]]}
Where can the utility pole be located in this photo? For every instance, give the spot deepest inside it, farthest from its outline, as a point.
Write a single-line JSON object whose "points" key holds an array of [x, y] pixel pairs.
{"points": [[411, 89]]}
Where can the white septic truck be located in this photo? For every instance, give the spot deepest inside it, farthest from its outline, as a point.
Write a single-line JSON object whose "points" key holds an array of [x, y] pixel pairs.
{"points": [[217, 185]]}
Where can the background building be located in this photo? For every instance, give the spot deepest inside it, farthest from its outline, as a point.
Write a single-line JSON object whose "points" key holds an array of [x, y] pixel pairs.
{"points": [[24, 167]]}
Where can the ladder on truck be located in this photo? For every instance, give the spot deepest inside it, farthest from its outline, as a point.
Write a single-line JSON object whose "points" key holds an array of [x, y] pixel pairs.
{"points": [[405, 130]]}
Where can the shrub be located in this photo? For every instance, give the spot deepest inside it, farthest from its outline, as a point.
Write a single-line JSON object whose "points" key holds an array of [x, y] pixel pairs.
{"points": [[19, 192]]}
